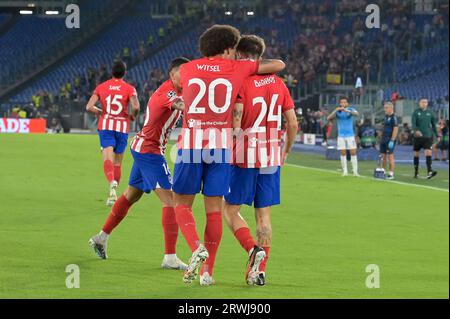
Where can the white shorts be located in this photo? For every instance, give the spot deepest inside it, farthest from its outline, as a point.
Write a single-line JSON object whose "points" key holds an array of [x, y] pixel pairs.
{"points": [[346, 143]]}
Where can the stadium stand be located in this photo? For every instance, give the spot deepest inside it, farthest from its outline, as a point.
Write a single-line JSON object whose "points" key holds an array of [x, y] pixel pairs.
{"points": [[330, 37], [126, 33], [23, 44]]}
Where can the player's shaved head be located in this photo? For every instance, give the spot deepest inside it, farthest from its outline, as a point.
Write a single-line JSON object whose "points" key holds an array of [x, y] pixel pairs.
{"points": [[174, 71], [251, 46], [119, 69], [175, 63], [217, 39]]}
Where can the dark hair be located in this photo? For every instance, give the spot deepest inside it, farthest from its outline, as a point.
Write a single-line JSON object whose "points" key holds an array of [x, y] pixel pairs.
{"points": [[175, 63], [423, 98], [251, 45], [343, 98], [217, 39], [118, 69]]}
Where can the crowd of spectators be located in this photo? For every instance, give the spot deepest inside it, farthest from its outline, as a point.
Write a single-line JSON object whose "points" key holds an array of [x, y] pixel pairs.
{"points": [[323, 45]]}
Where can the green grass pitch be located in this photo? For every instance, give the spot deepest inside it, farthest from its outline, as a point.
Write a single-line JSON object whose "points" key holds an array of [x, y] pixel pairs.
{"points": [[327, 230]]}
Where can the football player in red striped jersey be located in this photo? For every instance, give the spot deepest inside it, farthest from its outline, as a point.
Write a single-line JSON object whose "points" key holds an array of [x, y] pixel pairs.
{"points": [[258, 155], [114, 123], [150, 171], [210, 86]]}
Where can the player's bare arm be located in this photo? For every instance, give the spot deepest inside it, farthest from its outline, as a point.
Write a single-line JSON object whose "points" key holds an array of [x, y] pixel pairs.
{"points": [[237, 118], [178, 104], [291, 131], [333, 114], [90, 107], [134, 107], [267, 66]]}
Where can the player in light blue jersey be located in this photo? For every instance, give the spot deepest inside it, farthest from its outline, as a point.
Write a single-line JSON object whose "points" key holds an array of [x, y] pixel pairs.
{"points": [[344, 115]]}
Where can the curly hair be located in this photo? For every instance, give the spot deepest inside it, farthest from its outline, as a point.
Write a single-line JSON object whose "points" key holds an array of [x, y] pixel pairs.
{"points": [[217, 39]]}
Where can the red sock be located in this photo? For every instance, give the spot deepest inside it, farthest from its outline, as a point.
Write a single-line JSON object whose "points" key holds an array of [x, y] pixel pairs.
{"points": [[186, 222], [213, 235], [170, 228], [262, 267], [245, 238], [117, 173], [118, 212], [108, 168]]}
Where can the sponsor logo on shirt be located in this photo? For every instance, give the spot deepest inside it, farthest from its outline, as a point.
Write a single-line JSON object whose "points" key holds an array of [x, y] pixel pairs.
{"points": [[194, 123]]}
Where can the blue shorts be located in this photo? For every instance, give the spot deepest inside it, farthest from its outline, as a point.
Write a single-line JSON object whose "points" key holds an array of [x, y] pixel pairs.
{"points": [[149, 171], [205, 170], [115, 139], [254, 185], [384, 147]]}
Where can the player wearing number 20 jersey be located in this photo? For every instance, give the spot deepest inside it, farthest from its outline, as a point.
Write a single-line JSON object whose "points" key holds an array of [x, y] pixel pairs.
{"points": [[210, 86]]}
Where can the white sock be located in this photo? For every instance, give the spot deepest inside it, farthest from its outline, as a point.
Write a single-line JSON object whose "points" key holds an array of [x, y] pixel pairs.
{"points": [[354, 160], [391, 173], [344, 164], [170, 256]]}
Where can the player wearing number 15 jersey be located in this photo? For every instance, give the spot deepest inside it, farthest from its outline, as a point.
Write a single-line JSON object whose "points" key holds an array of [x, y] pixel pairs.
{"points": [[210, 87], [114, 123], [150, 171], [255, 174]]}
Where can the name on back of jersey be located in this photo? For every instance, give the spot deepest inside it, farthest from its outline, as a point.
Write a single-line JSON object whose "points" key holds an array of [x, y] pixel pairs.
{"points": [[264, 81], [208, 68], [114, 87]]}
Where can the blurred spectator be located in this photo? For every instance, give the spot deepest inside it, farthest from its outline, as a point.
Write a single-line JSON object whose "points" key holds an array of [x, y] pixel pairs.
{"points": [[405, 137], [126, 55], [367, 134], [55, 126]]}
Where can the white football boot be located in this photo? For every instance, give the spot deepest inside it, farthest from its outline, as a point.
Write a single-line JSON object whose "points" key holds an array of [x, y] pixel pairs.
{"points": [[198, 258], [100, 244], [206, 279], [261, 279], [255, 259], [112, 193], [173, 262]]}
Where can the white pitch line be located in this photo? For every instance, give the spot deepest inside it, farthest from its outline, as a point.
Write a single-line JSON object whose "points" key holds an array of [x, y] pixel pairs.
{"points": [[381, 180]]}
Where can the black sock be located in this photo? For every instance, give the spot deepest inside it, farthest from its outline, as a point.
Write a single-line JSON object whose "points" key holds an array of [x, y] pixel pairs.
{"points": [[416, 164], [429, 161]]}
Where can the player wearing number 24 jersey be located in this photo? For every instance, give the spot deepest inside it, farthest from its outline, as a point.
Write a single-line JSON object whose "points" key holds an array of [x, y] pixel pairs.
{"points": [[114, 123], [210, 86], [150, 171], [255, 174]]}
